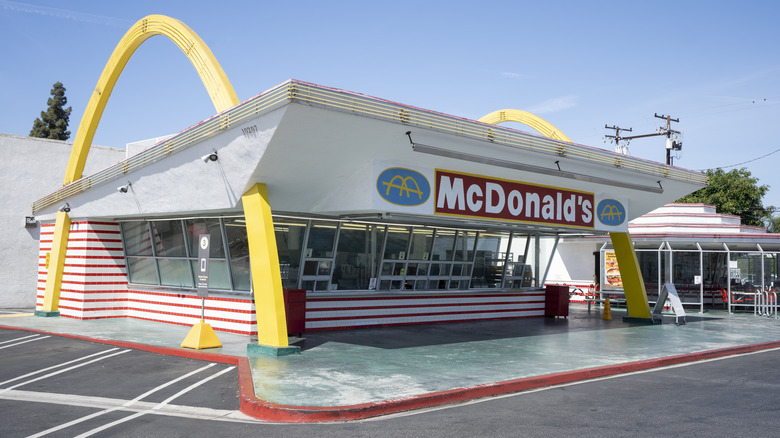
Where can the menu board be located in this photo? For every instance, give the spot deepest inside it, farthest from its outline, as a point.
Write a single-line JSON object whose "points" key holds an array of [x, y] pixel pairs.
{"points": [[612, 277]]}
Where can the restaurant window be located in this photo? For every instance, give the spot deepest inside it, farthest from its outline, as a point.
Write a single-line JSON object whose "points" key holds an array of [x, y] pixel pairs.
{"points": [[420, 247], [443, 245], [318, 259], [687, 267], [169, 239], [393, 269], [165, 253], [490, 255], [356, 256], [547, 245], [518, 271], [321, 238], [238, 251], [141, 265], [290, 235]]}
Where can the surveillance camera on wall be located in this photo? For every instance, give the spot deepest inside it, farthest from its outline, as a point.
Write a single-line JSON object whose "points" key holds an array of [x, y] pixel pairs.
{"points": [[210, 157], [124, 188]]}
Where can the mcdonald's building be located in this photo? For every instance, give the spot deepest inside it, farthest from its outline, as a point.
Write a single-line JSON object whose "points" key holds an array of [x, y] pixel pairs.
{"points": [[383, 213]]}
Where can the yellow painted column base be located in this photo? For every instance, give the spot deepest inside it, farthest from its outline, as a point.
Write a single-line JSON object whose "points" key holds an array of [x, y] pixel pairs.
{"points": [[201, 336]]}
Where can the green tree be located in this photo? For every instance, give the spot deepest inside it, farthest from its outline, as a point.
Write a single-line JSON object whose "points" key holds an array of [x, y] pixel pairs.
{"points": [[53, 122], [734, 192], [773, 224]]}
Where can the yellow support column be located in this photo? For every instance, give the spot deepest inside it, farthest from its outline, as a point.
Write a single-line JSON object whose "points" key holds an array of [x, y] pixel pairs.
{"points": [[266, 276], [56, 266], [633, 284]]}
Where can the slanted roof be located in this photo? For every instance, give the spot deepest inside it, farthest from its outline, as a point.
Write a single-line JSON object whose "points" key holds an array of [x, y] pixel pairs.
{"points": [[317, 148]]}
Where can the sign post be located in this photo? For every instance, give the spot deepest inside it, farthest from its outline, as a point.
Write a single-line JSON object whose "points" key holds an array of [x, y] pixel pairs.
{"points": [[201, 335], [204, 245]]}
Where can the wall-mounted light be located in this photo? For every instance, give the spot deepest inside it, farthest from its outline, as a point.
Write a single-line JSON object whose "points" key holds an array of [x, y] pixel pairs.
{"points": [[65, 208], [124, 188], [30, 222], [210, 157]]}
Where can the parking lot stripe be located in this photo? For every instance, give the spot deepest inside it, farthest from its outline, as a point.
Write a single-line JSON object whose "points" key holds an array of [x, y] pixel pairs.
{"points": [[170, 410], [124, 405], [18, 339], [24, 342], [46, 376], [191, 387], [57, 366], [158, 407]]}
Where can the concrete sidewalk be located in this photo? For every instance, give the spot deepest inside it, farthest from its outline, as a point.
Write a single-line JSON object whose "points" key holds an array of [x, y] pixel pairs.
{"points": [[343, 375]]}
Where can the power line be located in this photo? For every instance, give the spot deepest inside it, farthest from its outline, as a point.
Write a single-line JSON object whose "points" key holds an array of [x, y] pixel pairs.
{"points": [[745, 162]]}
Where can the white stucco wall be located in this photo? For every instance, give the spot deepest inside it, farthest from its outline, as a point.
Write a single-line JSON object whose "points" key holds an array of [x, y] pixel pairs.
{"points": [[573, 262], [31, 168]]}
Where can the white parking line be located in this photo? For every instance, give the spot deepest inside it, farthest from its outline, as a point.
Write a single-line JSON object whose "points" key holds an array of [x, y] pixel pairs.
{"points": [[24, 342], [62, 371], [19, 339], [57, 366], [158, 407], [92, 402], [126, 404]]}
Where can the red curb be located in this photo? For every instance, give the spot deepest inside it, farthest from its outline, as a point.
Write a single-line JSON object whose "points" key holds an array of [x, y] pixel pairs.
{"points": [[263, 410]]}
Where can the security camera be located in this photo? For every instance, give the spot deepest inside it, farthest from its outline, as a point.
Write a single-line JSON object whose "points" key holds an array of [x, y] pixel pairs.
{"points": [[65, 208], [210, 157], [124, 188]]}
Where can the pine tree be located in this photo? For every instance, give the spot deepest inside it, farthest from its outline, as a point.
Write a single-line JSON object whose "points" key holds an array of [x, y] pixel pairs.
{"points": [[53, 122]]}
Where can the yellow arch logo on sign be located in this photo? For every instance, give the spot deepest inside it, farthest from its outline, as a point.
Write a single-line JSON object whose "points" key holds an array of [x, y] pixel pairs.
{"points": [[512, 115], [211, 74]]}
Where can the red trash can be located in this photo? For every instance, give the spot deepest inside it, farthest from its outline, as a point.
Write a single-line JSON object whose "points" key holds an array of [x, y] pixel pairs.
{"points": [[556, 300], [295, 308]]}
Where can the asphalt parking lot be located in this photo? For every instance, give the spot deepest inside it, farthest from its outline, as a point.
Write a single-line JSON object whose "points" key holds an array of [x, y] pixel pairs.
{"points": [[56, 386]]}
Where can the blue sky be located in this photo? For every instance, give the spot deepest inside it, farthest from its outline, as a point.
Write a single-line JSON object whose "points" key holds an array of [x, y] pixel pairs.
{"points": [[580, 65]]}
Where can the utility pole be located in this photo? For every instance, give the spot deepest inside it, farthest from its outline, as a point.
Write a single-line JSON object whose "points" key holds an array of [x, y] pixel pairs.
{"points": [[671, 144], [620, 149]]}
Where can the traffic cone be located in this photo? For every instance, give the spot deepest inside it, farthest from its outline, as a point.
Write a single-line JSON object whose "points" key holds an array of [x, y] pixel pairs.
{"points": [[607, 311]]}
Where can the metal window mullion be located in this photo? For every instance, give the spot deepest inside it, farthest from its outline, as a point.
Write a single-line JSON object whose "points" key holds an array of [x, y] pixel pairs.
{"points": [[150, 230], [728, 274], [525, 258], [226, 249], [382, 258], [333, 254], [187, 251], [506, 259], [701, 276], [473, 258], [302, 261]]}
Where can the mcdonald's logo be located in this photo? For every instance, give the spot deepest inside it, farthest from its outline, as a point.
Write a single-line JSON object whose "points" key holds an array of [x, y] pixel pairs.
{"points": [[401, 186], [611, 212]]}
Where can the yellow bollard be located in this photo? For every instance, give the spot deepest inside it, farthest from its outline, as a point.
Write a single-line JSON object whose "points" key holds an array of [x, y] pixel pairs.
{"points": [[607, 311], [201, 336]]}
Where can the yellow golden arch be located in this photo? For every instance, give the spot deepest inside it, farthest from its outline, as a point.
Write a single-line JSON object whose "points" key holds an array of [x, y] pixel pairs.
{"points": [[637, 303], [539, 124], [266, 279]]}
